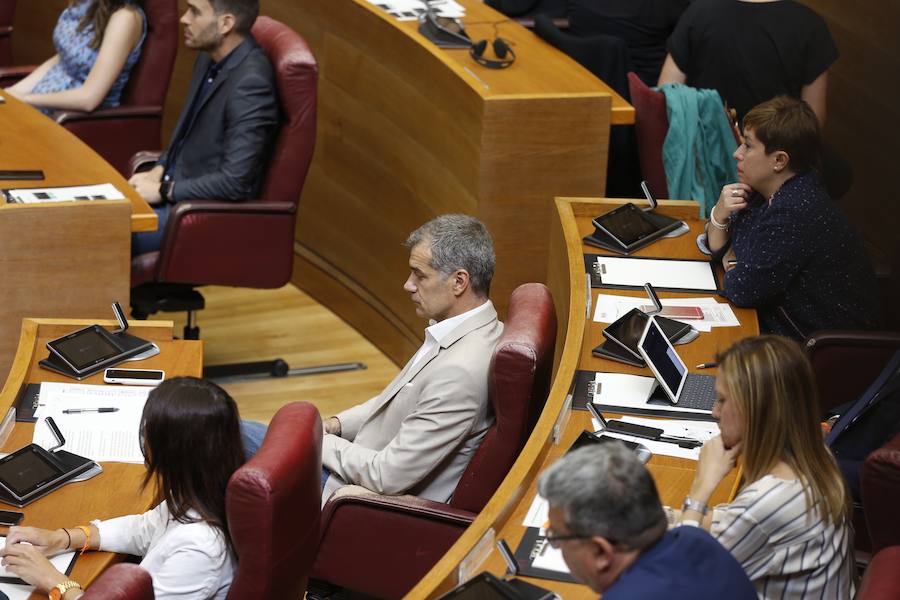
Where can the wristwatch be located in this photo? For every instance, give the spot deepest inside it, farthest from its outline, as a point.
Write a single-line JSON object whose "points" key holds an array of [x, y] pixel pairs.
{"points": [[696, 505], [165, 190], [57, 591]]}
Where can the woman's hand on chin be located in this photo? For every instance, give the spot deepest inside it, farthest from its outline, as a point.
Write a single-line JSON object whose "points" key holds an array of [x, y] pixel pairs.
{"points": [[733, 198]]}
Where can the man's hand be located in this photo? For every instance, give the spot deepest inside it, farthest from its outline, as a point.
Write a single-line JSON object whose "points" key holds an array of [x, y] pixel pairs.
{"points": [[147, 184], [332, 425]]}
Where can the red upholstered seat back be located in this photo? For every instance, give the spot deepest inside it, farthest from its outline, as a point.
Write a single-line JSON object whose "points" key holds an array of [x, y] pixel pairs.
{"points": [[880, 489], [273, 505], [123, 581], [519, 383], [651, 123], [297, 75], [149, 80], [7, 13]]}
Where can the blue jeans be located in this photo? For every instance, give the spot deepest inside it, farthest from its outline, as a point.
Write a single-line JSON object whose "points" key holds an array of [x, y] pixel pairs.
{"points": [[253, 433], [151, 241]]}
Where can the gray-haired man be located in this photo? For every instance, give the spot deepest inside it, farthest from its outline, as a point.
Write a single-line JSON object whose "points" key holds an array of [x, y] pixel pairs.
{"points": [[418, 435], [606, 517]]}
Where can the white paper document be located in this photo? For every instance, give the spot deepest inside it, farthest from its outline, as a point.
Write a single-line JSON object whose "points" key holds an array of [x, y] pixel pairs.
{"points": [[102, 437], [103, 191], [22, 591], [674, 274], [632, 391], [550, 558], [538, 513], [695, 430], [610, 307], [409, 10]]}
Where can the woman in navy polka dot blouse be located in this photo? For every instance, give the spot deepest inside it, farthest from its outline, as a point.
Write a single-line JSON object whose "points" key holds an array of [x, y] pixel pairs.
{"points": [[786, 249]]}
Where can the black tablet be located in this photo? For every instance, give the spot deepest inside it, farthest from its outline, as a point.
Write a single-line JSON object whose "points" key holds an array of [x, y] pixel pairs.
{"points": [[31, 472], [628, 225], [86, 348]]}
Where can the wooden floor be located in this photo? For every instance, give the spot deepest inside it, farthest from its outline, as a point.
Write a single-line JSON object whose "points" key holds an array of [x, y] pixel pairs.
{"points": [[240, 325]]}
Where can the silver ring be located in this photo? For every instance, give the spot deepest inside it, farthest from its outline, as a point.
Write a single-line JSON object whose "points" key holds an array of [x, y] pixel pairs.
{"points": [[734, 192]]}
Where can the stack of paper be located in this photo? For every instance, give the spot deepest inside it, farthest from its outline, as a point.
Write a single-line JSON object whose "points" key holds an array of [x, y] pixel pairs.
{"points": [[715, 314], [695, 430], [409, 10], [102, 437], [103, 191]]}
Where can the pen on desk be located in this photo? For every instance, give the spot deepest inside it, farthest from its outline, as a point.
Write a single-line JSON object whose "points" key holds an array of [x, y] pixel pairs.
{"points": [[708, 365], [75, 411]]}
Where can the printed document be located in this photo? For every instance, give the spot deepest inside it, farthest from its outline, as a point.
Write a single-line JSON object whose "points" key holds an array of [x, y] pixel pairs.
{"points": [[102, 437], [103, 191], [695, 430], [715, 314], [673, 274]]}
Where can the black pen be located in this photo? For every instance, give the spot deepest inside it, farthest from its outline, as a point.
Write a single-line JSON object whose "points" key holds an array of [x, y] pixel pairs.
{"points": [[708, 365], [75, 411]]}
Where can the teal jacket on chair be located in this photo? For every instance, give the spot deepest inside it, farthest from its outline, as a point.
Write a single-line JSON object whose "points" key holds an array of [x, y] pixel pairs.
{"points": [[697, 152]]}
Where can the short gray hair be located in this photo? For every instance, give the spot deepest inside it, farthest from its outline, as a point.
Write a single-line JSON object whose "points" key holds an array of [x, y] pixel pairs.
{"points": [[604, 490], [459, 242]]}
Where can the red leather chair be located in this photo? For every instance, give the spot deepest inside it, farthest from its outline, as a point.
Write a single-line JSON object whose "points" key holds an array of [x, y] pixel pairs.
{"points": [[243, 244], [7, 13], [651, 123], [383, 545], [121, 582], [847, 362], [141, 109], [273, 505], [880, 488], [882, 578]]}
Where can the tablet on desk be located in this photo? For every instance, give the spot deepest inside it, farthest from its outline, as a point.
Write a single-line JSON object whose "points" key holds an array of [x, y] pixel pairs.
{"points": [[88, 350], [31, 472]]}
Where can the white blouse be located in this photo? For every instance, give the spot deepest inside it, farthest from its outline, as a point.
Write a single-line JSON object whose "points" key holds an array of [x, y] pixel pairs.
{"points": [[187, 561]]}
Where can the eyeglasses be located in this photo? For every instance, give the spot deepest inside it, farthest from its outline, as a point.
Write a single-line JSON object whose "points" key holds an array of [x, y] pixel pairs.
{"points": [[554, 540]]}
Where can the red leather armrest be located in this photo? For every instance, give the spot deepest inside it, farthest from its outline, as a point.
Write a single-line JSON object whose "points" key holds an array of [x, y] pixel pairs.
{"points": [[882, 578], [243, 244], [142, 161], [391, 542], [104, 114], [880, 489], [11, 75]]}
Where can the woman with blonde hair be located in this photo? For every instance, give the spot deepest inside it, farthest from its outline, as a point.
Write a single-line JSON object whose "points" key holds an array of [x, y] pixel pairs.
{"points": [[788, 524], [97, 44]]}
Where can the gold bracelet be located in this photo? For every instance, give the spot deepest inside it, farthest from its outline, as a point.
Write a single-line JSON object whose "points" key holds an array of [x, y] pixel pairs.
{"points": [[87, 537]]}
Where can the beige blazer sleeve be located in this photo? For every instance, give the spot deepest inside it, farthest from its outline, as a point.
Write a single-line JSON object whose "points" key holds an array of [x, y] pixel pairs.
{"points": [[449, 403], [353, 418]]}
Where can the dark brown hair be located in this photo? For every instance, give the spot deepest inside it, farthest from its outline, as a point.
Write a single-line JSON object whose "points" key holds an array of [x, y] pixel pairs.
{"points": [[244, 11], [787, 124], [191, 439], [98, 15]]}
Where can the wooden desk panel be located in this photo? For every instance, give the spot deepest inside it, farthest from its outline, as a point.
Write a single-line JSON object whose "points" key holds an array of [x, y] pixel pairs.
{"points": [[506, 510], [407, 131], [116, 491], [68, 259]]}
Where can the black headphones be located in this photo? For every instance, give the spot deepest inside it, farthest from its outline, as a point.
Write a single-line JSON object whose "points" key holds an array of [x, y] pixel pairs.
{"points": [[501, 50]]}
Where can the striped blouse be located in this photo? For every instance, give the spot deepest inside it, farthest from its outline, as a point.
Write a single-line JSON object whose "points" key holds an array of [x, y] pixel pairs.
{"points": [[786, 550]]}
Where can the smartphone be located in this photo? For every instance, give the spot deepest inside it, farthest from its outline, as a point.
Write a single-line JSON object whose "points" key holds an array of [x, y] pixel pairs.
{"points": [[676, 312], [31, 175], [134, 376], [650, 433], [10, 517]]}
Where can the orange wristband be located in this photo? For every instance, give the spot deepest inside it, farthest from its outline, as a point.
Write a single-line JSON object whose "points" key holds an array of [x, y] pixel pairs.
{"points": [[87, 537]]}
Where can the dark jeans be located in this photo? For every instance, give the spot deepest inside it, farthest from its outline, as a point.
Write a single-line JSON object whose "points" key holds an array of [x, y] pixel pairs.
{"points": [[151, 241], [253, 433]]}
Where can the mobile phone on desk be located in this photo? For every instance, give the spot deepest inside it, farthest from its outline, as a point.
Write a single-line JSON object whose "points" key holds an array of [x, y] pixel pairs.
{"points": [[8, 518], [134, 376], [676, 312], [22, 174], [642, 431]]}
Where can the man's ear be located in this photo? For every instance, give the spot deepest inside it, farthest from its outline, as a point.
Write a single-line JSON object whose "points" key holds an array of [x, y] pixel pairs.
{"points": [[460, 282], [603, 553], [226, 23]]}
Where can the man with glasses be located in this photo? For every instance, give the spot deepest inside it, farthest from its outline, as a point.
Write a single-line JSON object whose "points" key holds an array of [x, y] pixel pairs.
{"points": [[606, 517]]}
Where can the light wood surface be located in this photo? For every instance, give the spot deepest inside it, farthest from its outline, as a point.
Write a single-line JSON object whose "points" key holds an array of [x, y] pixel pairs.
{"points": [[506, 509], [116, 491], [407, 131], [67, 259]]}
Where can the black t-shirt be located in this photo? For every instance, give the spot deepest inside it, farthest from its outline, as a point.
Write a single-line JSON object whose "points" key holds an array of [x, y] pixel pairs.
{"points": [[751, 52], [644, 25]]}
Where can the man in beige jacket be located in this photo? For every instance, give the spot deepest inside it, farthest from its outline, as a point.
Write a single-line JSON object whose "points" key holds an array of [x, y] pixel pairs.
{"points": [[418, 435]]}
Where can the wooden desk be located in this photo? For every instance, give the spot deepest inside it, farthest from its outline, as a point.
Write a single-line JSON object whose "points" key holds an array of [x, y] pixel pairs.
{"points": [[578, 334], [69, 259], [408, 131], [116, 491]]}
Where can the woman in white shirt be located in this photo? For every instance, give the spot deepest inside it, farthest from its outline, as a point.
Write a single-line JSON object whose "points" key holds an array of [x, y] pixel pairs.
{"points": [[191, 441], [788, 525]]}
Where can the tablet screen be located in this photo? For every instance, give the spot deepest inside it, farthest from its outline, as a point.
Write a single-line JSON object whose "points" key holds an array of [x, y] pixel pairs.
{"points": [[23, 471], [85, 348], [662, 359], [627, 224]]}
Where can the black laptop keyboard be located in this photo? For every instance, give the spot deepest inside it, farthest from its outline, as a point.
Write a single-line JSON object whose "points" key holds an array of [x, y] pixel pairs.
{"points": [[699, 392]]}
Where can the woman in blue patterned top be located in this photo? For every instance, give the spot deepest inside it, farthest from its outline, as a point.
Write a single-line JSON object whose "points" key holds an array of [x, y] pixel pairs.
{"points": [[788, 251], [97, 44]]}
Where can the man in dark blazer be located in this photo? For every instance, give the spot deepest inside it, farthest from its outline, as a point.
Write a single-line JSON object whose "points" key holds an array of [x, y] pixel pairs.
{"points": [[220, 144]]}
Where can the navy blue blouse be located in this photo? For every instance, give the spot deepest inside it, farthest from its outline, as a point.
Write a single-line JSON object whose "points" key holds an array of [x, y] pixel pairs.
{"points": [[800, 253]]}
